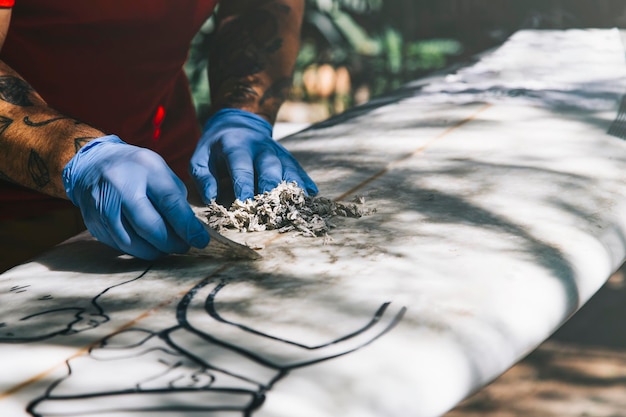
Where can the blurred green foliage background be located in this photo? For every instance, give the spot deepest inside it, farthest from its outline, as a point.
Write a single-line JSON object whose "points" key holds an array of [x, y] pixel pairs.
{"points": [[353, 50]]}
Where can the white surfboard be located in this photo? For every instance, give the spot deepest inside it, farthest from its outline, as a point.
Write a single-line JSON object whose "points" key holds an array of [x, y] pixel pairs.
{"points": [[499, 192]]}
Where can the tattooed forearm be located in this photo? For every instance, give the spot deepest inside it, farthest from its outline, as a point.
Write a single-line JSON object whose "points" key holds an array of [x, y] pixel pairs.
{"points": [[254, 54], [15, 91], [34, 151], [30, 123], [80, 142], [38, 169], [242, 42], [36, 141]]}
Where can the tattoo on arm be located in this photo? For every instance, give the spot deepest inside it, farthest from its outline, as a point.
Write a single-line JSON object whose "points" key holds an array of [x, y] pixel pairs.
{"points": [[15, 91], [274, 97], [5, 122], [253, 56], [38, 170], [30, 123], [278, 91], [80, 142], [241, 48], [240, 93], [274, 46]]}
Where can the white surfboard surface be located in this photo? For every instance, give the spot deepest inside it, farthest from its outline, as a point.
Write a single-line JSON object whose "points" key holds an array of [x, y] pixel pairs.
{"points": [[499, 191]]}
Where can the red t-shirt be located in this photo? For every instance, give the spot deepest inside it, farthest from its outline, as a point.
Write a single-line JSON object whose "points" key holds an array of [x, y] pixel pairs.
{"points": [[115, 64]]}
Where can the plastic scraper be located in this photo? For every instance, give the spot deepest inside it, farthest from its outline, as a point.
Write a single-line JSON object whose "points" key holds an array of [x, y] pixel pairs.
{"points": [[223, 248]]}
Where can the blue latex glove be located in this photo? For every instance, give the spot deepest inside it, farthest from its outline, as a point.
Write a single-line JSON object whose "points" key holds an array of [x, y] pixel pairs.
{"points": [[239, 144], [131, 200]]}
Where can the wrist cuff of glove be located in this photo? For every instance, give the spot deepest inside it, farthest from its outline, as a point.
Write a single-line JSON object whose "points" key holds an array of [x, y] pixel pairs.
{"points": [[70, 168], [227, 117]]}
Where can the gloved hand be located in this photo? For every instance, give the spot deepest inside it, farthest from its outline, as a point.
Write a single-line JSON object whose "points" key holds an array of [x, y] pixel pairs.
{"points": [[131, 200], [239, 144]]}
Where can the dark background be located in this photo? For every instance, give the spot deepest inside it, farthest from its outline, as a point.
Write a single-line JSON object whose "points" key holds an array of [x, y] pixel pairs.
{"points": [[353, 50], [384, 43]]}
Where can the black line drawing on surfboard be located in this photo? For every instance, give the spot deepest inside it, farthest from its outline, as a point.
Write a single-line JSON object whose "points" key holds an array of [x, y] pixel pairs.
{"points": [[196, 366], [37, 312]]}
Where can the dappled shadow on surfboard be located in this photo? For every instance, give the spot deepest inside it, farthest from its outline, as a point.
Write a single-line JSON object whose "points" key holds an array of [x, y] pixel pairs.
{"points": [[199, 365], [237, 378], [60, 295], [578, 371]]}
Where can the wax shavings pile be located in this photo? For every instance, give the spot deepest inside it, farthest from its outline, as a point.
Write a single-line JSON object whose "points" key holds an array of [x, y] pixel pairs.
{"points": [[286, 209]]}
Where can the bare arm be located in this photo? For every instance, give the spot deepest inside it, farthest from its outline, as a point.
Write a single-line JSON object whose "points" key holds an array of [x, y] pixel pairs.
{"points": [[254, 53], [35, 141]]}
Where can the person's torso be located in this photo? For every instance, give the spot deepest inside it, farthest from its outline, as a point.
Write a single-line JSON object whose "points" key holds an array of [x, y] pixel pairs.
{"points": [[115, 64]]}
